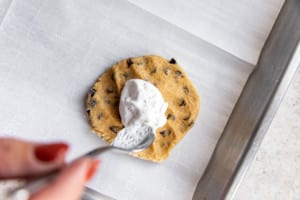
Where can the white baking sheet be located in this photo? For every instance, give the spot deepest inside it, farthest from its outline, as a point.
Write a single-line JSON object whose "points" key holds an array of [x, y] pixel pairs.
{"points": [[52, 51]]}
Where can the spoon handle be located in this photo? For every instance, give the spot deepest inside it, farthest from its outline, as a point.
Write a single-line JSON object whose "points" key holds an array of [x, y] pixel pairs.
{"points": [[95, 152]]}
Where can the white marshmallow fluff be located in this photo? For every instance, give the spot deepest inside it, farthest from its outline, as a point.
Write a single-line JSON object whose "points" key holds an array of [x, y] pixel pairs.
{"points": [[142, 108]]}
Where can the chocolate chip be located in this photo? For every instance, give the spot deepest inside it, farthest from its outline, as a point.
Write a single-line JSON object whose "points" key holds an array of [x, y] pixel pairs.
{"points": [[139, 63], [186, 89], [126, 75], [172, 61], [114, 129], [93, 102], [187, 117], [170, 116], [166, 71], [113, 77], [182, 102], [178, 73], [165, 133], [162, 133], [88, 112], [191, 123], [153, 71], [109, 90], [92, 92], [100, 115], [129, 62], [116, 103]]}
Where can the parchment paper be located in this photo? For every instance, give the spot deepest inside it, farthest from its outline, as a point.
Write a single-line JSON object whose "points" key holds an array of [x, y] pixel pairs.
{"points": [[52, 51], [238, 27]]}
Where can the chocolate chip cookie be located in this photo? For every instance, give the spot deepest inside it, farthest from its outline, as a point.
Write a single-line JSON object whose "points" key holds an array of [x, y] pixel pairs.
{"points": [[102, 104]]}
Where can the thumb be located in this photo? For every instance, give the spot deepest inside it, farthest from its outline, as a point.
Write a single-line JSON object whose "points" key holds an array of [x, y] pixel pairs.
{"points": [[70, 182], [25, 159]]}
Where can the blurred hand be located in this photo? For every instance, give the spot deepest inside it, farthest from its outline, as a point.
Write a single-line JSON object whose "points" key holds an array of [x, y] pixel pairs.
{"points": [[21, 159]]}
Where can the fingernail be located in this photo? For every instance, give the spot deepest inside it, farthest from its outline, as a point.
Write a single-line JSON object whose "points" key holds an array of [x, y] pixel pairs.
{"points": [[92, 169], [49, 152]]}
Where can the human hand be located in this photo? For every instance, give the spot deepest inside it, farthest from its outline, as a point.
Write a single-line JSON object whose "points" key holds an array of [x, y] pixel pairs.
{"points": [[22, 159]]}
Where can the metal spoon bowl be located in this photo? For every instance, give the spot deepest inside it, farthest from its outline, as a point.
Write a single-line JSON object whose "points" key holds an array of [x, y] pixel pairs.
{"points": [[145, 143]]}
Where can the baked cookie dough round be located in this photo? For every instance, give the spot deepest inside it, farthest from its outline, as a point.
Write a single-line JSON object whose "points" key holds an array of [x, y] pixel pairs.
{"points": [[102, 104]]}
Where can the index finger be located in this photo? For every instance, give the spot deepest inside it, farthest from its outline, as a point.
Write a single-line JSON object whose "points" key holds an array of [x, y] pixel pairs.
{"points": [[23, 159]]}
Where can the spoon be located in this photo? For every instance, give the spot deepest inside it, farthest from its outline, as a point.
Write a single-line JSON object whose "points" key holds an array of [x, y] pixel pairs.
{"points": [[145, 143], [38, 182]]}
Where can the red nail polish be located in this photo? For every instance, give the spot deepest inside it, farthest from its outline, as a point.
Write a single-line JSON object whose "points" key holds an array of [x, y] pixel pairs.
{"points": [[50, 152], [92, 169]]}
